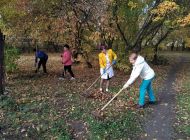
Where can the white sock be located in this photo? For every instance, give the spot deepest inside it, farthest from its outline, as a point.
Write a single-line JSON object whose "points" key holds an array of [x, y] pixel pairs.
{"points": [[101, 89]]}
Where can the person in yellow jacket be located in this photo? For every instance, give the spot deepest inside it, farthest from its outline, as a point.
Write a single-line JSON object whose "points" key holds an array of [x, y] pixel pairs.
{"points": [[107, 58]]}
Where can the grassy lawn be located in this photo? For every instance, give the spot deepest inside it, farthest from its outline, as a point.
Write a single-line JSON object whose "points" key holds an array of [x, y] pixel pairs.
{"points": [[40, 106], [183, 101]]}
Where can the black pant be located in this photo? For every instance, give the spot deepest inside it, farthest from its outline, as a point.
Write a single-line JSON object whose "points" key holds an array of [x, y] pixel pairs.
{"points": [[43, 62], [68, 68]]}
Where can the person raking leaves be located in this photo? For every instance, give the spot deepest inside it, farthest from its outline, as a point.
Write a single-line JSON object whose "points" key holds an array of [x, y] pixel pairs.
{"points": [[107, 58], [41, 58], [67, 62], [140, 67]]}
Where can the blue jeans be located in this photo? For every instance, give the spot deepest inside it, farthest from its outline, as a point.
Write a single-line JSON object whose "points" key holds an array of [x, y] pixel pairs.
{"points": [[146, 86]]}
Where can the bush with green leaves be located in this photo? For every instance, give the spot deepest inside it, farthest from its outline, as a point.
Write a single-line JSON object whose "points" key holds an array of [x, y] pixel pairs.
{"points": [[11, 57], [123, 63]]}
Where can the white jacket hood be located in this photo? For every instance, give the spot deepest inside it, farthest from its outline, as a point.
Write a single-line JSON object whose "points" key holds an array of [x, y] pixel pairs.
{"points": [[139, 60], [141, 68]]}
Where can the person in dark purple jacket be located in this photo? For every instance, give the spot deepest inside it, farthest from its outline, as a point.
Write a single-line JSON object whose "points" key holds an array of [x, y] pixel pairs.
{"points": [[43, 58]]}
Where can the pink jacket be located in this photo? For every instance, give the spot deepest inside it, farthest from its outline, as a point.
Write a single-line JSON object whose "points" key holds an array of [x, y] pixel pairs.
{"points": [[66, 58]]}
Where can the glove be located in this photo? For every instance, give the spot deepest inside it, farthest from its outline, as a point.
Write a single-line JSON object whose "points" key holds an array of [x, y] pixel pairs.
{"points": [[125, 86], [104, 71], [114, 62]]}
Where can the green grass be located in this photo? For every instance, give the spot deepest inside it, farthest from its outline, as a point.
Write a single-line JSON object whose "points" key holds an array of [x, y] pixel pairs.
{"points": [[42, 107], [32, 120], [183, 101], [116, 125], [41, 120], [125, 125]]}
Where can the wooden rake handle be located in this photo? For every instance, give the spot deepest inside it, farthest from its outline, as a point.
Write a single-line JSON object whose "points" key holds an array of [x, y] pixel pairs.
{"points": [[98, 78], [111, 99]]}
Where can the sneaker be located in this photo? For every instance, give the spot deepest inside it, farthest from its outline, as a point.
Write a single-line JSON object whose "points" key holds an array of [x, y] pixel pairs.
{"points": [[140, 106], [72, 78], [101, 89], [61, 78], [107, 90], [152, 102]]}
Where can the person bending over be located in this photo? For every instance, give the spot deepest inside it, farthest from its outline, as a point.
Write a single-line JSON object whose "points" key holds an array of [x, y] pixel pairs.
{"points": [[41, 58], [142, 69]]}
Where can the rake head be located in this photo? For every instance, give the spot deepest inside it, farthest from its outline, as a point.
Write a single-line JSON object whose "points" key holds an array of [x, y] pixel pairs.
{"points": [[87, 94], [98, 114]]}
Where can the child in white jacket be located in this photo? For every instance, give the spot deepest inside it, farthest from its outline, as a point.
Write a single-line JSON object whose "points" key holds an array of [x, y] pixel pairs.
{"points": [[140, 67]]}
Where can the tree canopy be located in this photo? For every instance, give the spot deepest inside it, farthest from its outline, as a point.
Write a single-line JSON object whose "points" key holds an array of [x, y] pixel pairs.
{"points": [[87, 23]]}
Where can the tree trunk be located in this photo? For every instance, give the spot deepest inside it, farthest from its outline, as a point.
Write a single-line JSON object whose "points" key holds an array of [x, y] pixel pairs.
{"points": [[155, 59], [1, 63]]}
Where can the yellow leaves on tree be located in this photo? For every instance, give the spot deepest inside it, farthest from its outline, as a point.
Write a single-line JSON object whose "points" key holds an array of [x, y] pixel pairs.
{"points": [[22, 5], [111, 35], [165, 9], [184, 21], [58, 25], [95, 36], [132, 5], [187, 42], [39, 27], [47, 29]]}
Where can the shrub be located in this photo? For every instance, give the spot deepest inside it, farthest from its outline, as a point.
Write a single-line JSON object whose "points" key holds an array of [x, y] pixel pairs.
{"points": [[11, 57]]}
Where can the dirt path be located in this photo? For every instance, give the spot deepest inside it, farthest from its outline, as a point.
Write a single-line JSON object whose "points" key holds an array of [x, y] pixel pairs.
{"points": [[159, 124]]}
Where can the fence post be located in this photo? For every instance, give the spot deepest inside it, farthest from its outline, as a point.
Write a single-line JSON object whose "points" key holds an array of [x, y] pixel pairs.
{"points": [[2, 38]]}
